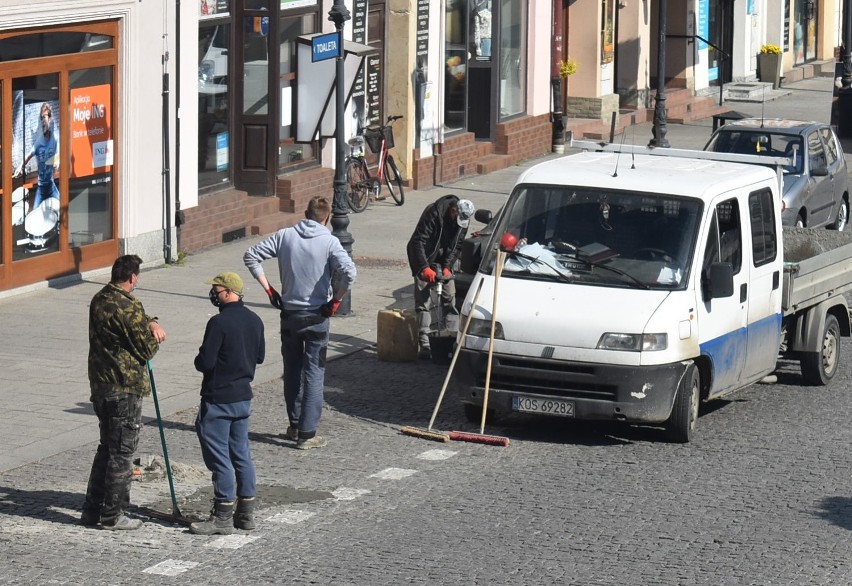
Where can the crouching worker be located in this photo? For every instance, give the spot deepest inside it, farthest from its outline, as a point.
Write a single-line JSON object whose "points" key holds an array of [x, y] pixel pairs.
{"points": [[233, 346]]}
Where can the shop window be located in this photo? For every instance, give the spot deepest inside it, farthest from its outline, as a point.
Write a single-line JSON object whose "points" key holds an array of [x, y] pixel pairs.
{"points": [[36, 119], [291, 154], [51, 44], [214, 104], [90, 183], [607, 31], [513, 47], [455, 65]]}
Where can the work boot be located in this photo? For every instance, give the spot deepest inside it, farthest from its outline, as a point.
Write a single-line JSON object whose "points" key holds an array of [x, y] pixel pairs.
{"points": [[311, 442], [292, 433], [122, 523], [220, 521], [244, 515]]}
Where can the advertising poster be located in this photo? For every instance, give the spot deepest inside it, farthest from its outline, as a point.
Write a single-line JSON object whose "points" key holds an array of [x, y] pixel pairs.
{"points": [[222, 151], [91, 136], [35, 163]]}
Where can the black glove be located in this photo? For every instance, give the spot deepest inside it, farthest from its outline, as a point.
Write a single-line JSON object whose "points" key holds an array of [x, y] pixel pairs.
{"points": [[274, 298]]}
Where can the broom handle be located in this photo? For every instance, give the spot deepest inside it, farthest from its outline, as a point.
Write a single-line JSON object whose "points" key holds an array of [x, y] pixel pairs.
{"points": [[456, 352], [498, 268], [175, 509]]}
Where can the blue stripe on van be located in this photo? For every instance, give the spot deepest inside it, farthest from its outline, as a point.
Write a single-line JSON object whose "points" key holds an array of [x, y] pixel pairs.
{"points": [[730, 351]]}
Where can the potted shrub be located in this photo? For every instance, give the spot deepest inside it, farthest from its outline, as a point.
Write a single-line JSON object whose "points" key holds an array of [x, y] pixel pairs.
{"points": [[769, 65]]}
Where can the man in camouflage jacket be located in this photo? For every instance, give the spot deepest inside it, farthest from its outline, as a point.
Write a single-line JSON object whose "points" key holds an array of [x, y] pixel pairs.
{"points": [[122, 338]]}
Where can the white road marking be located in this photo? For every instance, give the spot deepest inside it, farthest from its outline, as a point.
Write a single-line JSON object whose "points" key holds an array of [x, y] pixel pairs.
{"points": [[235, 541], [437, 455], [393, 473], [291, 517], [170, 568], [349, 494]]}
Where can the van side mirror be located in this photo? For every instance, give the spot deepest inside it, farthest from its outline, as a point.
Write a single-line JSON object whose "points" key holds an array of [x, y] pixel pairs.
{"points": [[720, 280], [483, 216], [471, 255]]}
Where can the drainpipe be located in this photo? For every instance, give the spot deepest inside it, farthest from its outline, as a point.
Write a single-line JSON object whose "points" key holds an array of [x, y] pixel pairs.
{"points": [[556, 79], [179, 216], [167, 195]]}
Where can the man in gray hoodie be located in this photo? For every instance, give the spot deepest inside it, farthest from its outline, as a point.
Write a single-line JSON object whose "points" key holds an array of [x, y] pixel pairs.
{"points": [[308, 257]]}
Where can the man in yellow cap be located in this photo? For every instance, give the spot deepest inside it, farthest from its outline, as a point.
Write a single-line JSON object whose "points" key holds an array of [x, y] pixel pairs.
{"points": [[233, 346]]}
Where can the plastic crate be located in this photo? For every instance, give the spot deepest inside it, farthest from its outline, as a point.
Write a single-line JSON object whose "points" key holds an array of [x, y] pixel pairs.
{"points": [[373, 136]]}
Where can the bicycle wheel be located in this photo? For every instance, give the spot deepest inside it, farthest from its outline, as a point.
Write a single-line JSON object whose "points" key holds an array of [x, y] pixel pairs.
{"points": [[394, 181], [358, 194]]}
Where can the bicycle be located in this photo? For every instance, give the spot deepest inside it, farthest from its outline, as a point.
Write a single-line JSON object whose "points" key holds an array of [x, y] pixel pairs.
{"points": [[361, 183]]}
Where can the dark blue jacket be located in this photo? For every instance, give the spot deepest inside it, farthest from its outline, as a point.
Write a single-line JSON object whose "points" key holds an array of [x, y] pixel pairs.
{"points": [[233, 346]]}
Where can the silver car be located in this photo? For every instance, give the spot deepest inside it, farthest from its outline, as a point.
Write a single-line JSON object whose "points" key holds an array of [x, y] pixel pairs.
{"points": [[815, 190]]}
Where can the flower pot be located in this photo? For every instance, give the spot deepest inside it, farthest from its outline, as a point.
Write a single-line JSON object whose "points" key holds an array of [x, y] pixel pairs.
{"points": [[769, 68]]}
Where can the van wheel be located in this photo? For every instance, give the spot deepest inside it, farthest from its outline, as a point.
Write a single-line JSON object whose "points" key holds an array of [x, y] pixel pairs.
{"points": [[820, 367], [681, 423]]}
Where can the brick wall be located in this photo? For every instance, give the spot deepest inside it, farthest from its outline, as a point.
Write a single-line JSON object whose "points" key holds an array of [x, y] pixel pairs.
{"points": [[225, 211], [519, 139], [296, 189]]}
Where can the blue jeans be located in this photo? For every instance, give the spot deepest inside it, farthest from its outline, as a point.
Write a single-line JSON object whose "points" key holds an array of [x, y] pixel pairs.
{"points": [[223, 433], [304, 341], [44, 191]]}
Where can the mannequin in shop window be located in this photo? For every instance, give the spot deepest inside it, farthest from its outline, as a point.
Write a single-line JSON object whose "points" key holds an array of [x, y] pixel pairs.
{"points": [[481, 16]]}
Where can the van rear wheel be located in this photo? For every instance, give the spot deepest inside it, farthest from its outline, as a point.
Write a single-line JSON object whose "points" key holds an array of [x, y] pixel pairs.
{"points": [[684, 417], [820, 367]]}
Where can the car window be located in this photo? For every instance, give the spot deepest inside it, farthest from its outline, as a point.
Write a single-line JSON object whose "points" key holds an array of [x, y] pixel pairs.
{"points": [[724, 241], [761, 142], [832, 153], [816, 154]]}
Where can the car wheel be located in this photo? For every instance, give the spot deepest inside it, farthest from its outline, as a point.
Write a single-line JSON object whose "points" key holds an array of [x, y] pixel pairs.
{"points": [[842, 216]]}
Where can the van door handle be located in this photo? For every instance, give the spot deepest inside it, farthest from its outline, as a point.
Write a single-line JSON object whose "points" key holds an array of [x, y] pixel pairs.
{"points": [[775, 280], [743, 292]]}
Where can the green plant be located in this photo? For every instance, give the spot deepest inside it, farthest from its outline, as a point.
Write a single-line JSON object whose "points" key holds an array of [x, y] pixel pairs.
{"points": [[771, 49], [567, 67]]}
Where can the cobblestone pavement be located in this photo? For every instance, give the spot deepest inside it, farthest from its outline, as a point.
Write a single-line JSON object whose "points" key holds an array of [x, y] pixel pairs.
{"points": [[761, 496]]}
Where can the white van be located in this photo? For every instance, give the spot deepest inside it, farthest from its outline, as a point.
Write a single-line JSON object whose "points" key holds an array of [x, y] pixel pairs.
{"points": [[642, 285]]}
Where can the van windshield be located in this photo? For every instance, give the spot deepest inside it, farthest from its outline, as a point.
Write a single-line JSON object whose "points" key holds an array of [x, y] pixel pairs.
{"points": [[598, 237]]}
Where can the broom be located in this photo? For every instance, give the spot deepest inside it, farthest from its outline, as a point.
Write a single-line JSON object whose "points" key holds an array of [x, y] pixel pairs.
{"points": [[427, 433], [481, 438]]}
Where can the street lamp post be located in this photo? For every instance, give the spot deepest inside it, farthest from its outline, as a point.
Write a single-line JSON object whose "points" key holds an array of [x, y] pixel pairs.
{"points": [[846, 53], [340, 208], [659, 127]]}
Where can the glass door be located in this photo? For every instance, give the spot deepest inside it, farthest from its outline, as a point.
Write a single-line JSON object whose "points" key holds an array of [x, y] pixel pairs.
{"points": [[57, 152]]}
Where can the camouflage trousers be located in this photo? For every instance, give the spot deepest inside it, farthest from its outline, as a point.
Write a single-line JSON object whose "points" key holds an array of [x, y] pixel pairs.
{"points": [[120, 420]]}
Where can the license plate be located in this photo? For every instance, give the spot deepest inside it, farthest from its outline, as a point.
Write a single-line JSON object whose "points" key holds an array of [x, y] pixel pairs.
{"points": [[546, 406]]}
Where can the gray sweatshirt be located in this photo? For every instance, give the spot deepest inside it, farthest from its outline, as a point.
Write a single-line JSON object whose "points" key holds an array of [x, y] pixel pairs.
{"points": [[308, 255]]}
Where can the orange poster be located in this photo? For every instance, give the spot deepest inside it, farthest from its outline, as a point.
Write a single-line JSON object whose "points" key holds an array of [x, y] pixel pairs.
{"points": [[91, 137]]}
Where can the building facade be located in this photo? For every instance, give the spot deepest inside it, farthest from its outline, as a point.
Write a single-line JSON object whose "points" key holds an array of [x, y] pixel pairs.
{"points": [[159, 127]]}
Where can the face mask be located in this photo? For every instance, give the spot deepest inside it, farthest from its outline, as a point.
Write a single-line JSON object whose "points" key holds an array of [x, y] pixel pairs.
{"points": [[214, 298]]}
